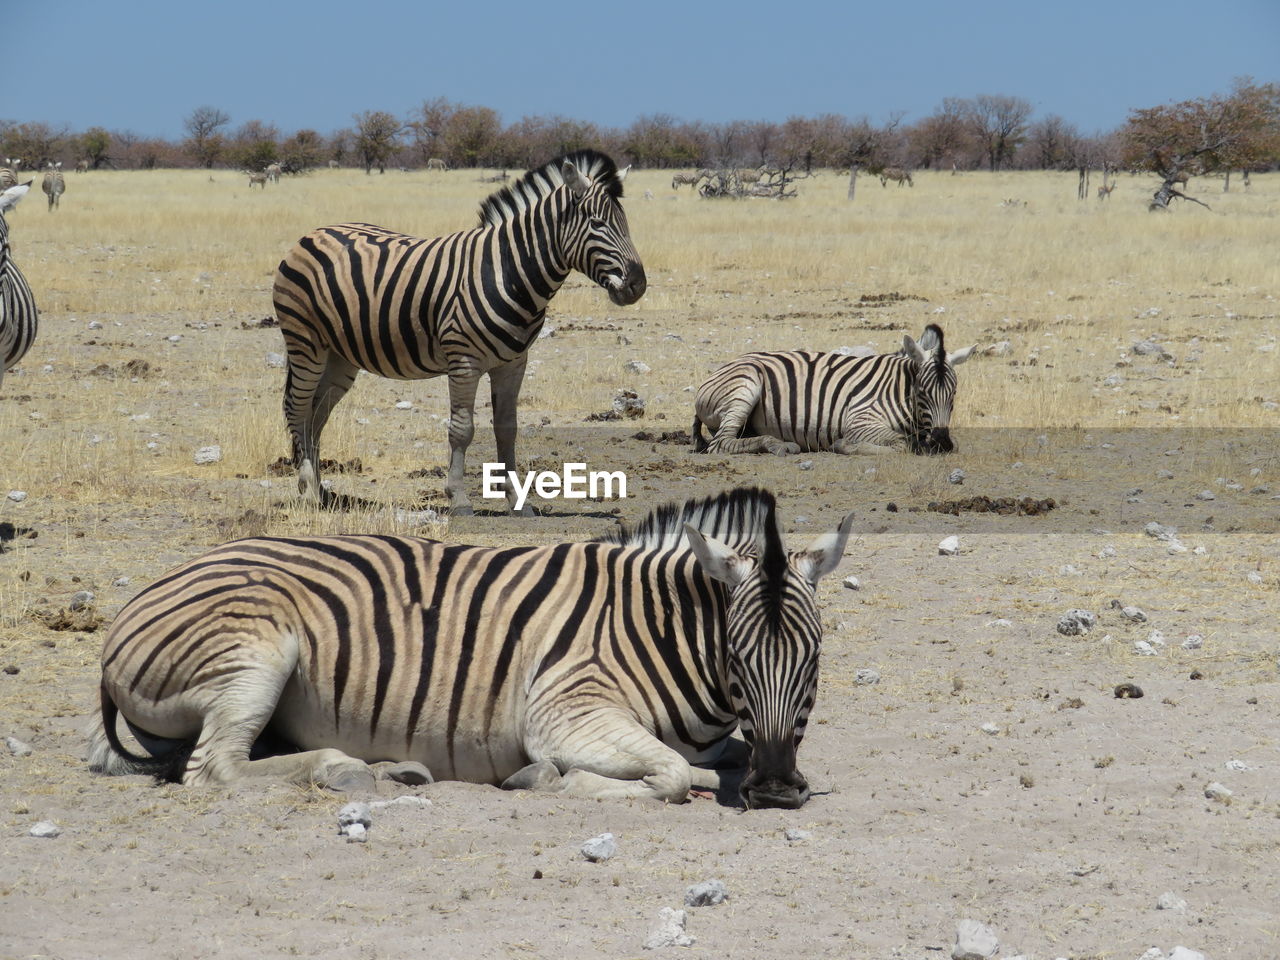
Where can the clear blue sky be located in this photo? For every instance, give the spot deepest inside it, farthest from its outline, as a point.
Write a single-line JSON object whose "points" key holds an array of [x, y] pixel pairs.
{"points": [[143, 66]]}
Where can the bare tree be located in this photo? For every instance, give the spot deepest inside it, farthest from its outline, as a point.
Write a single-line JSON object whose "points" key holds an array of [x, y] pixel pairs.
{"points": [[1051, 143], [943, 138], [1202, 136], [376, 138], [999, 124], [204, 141]]}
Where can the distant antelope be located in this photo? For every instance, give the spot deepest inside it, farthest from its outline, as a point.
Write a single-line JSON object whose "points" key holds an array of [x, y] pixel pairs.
{"points": [[1104, 191], [435, 163], [273, 172], [82, 166], [260, 178], [895, 173], [53, 184]]}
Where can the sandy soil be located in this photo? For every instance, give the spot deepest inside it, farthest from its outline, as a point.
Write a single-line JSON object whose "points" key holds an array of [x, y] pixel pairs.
{"points": [[1060, 828]]}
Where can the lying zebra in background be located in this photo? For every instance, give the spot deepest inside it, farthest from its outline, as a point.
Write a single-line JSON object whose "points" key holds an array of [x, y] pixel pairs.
{"points": [[599, 669], [18, 317], [784, 403], [357, 297]]}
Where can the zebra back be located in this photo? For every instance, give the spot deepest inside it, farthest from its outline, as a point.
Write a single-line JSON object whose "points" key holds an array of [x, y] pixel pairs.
{"points": [[18, 317]]}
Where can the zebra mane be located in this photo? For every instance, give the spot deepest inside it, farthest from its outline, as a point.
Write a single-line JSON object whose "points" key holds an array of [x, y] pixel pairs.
{"points": [[507, 202], [744, 518]]}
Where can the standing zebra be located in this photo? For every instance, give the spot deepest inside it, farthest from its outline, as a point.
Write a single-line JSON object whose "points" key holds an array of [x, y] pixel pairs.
{"points": [[600, 669], [785, 403], [53, 184], [897, 174], [273, 172], [435, 163], [358, 297], [17, 306], [259, 177]]}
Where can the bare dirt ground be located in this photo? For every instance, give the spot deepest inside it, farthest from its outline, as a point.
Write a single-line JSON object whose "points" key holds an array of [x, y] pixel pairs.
{"points": [[1059, 824]]}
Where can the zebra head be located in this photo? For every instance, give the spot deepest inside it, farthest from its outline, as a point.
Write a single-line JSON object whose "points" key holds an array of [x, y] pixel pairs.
{"points": [[597, 240], [772, 636], [933, 390]]}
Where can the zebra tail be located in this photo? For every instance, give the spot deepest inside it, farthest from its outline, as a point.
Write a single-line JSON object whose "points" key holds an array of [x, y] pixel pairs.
{"points": [[699, 441], [112, 758]]}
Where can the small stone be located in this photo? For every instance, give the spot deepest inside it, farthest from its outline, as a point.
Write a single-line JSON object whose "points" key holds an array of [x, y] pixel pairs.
{"points": [[17, 496], [45, 830], [636, 366], [210, 454], [404, 404], [866, 677], [950, 546], [354, 813], [1106, 552], [974, 941], [708, 893], [1164, 474], [1144, 348], [548, 330], [1193, 642], [1160, 531], [80, 600], [95, 325], [176, 338], [355, 833], [1128, 691], [1068, 570], [956, 476], [17, 747], [1185, 953], [1133, 613], [275, 360], [1253, 576], [852, 583], [121, 581], [1171, 901], [1076, 623], [599, 849], [1237, 766], [1206, 495], [1156, 638], [990, 729], [669, 932], [806, 464], [1144, 649], [1000, 622], [1216, 791], [796, 835]]}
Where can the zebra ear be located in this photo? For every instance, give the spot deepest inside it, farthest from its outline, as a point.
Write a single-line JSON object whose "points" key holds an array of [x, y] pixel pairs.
{"points": [[825, 553], [622, 174], [720, 562], [960, 356], [574, 180], [9, 198], [912, 349]]}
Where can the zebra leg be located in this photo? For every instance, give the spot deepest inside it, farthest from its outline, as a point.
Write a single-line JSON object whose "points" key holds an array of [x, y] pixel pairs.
{"points": [[505, 383], [311, 393], [609, 755], [733, 419], [463, 380], [868, 438]]}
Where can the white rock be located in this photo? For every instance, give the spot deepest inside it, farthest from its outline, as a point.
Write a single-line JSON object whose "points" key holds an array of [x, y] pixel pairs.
{"points": [[81, 599], [1068, 570], [669, 932], [852, 583], [1145, 649], [866, 677], [1185, 953], [1106, 552], [416, 518], [353, 813], [1160, 531], [275, 360], [1206, 495], [1216, 791], [599, 849], [355, 833], [1176, 547], [796, 835], [636, 366], [974, 941], [404, 404], [708, 893], [806, 464], [1076, 623], [1156, 638], [210, 454], [1253, 576], [1171, 901], [1154, 953], [956, 476], [1193, 642], [950, 546], [1000, 622], [548, 330], [990, 729], [1133, 613], [176, 338], [407, 800], [17, 496], [95, 325], [1238, 766], [45, 830], [17, 747]]}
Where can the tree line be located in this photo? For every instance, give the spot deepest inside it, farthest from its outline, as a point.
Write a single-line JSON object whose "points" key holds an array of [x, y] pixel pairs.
{"points": [[1236, 130]]}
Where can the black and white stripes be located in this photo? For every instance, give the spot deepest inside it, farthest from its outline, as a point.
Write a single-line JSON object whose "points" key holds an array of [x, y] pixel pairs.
{"points": [[18, 317], [597, 669], [797, 401], [358, 297]]}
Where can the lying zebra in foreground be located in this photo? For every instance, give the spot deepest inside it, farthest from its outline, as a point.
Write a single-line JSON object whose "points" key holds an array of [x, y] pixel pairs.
{"points": [[785, 403], [599, 669]]}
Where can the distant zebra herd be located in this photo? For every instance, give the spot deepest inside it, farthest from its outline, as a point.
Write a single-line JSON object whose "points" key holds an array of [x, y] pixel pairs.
{"points": [[615, 668]]}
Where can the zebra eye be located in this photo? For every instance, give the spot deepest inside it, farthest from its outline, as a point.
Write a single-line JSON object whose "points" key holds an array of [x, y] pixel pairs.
{"points": [[596, 223]]}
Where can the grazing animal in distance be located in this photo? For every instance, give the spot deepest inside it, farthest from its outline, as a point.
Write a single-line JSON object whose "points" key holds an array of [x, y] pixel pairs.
{"points": [[53, 184], [18, 316], [897, 174], [1104, 191], [82, 166], [259, 177], [357, 297], [273, 171], [786, 403], [611, 669], [435, 163]]}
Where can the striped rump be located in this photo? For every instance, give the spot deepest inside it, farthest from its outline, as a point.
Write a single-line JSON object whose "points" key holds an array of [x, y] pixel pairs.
{"points": [[598, 669]]}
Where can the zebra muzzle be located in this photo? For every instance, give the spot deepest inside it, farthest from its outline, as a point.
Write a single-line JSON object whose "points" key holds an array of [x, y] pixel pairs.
{"points": [[773, 780], [626, 289]]}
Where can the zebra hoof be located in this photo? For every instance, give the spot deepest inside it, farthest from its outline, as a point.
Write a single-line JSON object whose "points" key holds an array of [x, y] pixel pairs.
{"points": [[349, 778], [785, 449], [543, 775], [409, 772]]}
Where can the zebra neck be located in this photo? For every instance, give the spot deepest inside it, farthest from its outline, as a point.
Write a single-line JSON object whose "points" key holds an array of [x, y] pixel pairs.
{"points": [[533, 257]]}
